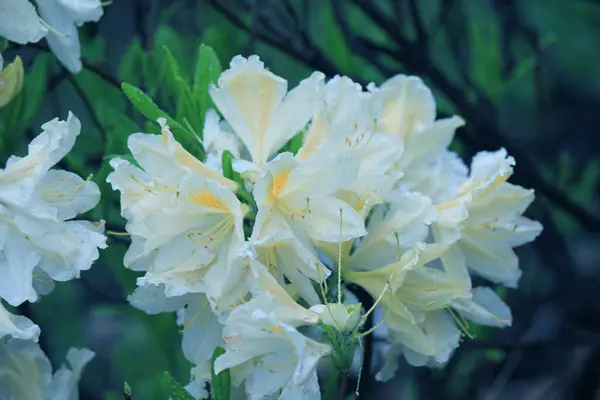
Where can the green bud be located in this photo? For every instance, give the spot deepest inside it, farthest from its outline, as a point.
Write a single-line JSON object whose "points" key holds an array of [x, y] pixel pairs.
{"points": [[11, 81]]}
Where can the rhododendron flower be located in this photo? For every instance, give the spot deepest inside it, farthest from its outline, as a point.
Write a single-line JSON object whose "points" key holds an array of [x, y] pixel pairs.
{"points": [[334, 187], [26, 373], [39, 240]]}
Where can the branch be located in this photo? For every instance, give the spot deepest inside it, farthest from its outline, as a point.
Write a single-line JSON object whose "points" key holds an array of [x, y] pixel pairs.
{"points": [[86, 102], [306, 52], [367, 303], [482, 115]]}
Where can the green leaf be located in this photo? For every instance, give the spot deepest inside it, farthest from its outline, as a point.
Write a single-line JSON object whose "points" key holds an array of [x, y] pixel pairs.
{"points": [[133, 66], [221, 382], [144, 103], [181, 90], [175, 389], [208, 69], [185, 133]]}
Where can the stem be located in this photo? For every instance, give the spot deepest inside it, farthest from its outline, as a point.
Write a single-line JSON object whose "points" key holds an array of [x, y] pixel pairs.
{"points": [[367, 303], [331, 384]]}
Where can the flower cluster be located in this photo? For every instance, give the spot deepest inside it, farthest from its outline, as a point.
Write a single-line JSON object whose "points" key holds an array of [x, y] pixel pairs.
{"points": [[40, 242], [57, 22], [330, 185]]}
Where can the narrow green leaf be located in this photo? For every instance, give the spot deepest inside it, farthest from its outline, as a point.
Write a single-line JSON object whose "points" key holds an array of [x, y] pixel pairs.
{"points": [[208, 69], [149, 109], [143, 102], [176, 390], [221, 382]]}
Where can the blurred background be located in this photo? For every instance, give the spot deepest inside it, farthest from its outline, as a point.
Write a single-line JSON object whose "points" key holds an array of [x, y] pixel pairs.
{"points": [[521, 73]]}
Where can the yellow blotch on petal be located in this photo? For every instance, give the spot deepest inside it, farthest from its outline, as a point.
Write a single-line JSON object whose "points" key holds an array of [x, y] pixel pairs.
{"points": [[280, 180], [255, 94], [208, 200], [274, 328]]}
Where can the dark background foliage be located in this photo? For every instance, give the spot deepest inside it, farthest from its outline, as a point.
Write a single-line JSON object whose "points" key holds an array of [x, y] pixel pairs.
{"points": [[521, 73]]}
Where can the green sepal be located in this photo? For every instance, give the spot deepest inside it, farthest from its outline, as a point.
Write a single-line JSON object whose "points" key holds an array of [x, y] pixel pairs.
{"points": [[343, 346]]}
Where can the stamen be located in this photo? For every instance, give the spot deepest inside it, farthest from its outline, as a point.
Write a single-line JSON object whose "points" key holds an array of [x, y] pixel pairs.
{"points": [[270, 367], [196, 316], [214, 235], [463, 325], [59, 195], [156, 188], [360, 368], [51, 29], [363, 319]]}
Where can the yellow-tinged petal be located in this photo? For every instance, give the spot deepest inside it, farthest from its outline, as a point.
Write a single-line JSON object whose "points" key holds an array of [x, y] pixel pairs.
{"points": [[187, 160]]}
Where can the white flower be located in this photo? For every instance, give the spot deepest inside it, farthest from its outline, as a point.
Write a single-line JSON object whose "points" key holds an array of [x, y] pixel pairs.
{"points": [[393, 229], [302, 194], [65, 381], [20, 23], [485, 218], [409, 111], [152, 300], [262, 342], [216, 140], [411, 293], [346, 124], [201, 376], [37, 238], [288, 257], [439, 331], [202, 332], [485, 307], [278, 356], [185, 221], [64, 16], [439, 179], [26, 373], [17, 326], [480, 305], [261, 111]]}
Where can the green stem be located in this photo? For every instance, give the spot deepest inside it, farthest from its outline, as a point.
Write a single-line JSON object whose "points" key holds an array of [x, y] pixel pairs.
{"points": [[332, 388]]}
